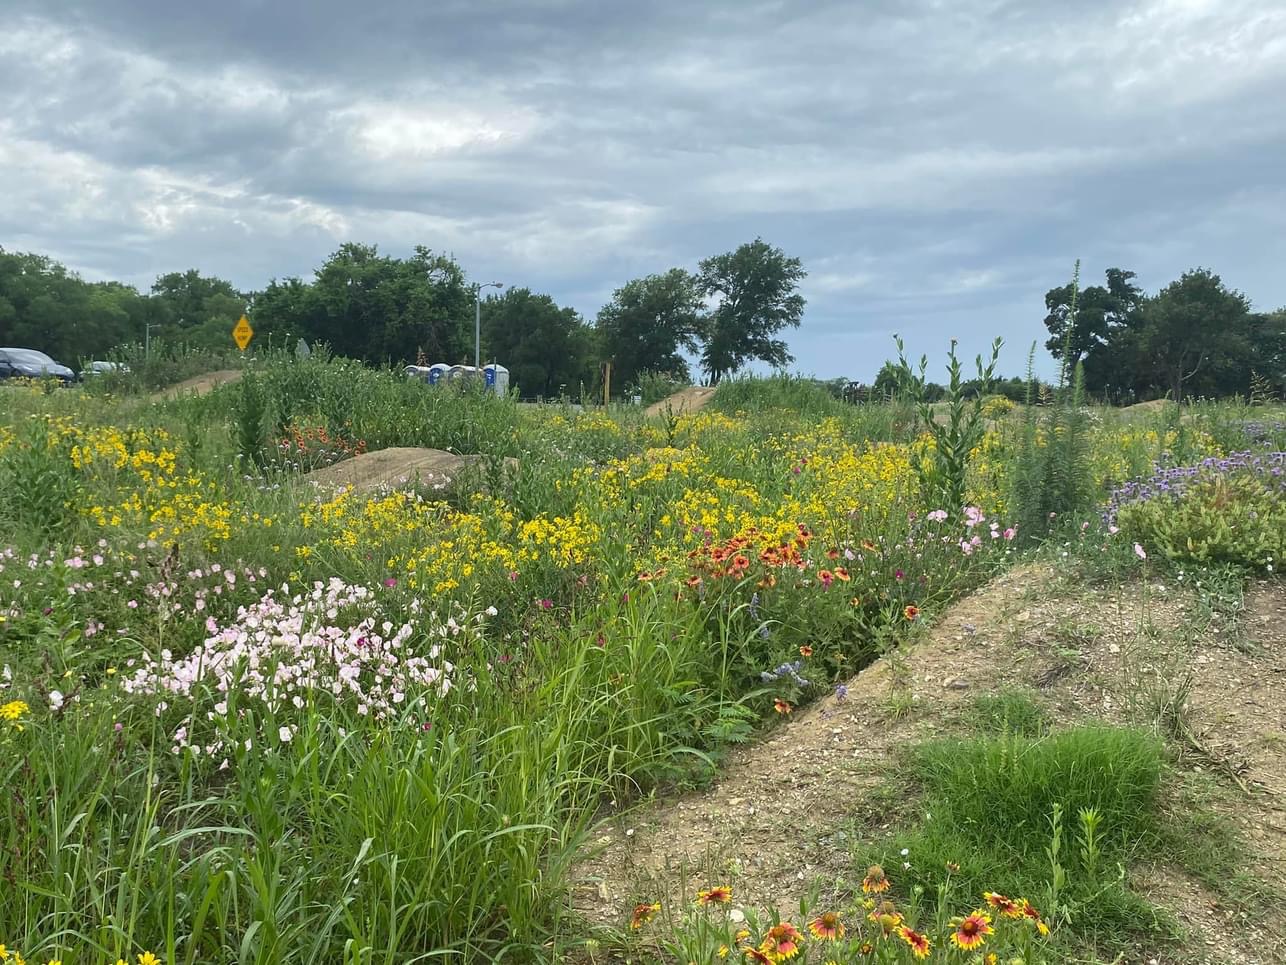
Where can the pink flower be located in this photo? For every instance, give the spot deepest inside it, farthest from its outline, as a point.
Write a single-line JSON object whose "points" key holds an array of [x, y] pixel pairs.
{"points": [[1010, 533], [390, 582], [1113, 530], [546, 604], [1138, 551], [898, 575], [973, 516], [938, 516]]}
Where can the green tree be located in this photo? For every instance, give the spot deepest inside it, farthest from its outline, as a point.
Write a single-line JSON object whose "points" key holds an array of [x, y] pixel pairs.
{"points": [[753, 291], [1100, 311], [544, 346], [647, 324], [377, 308], [46, 307], [1190, 324], [196, 308]]}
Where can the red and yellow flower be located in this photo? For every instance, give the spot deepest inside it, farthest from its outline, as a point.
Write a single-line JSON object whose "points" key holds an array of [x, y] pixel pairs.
{"points": [[643, 913], [827, 927], [918, 943], [971, 931], [1003, 905], [875, 882], [1032, 915], [911, 611], [781, 942], [782, 706], [718, 895]]}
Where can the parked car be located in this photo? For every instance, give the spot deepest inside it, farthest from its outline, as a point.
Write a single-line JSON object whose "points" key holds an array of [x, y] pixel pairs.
{"points": [[29, 364], [102, 368]]}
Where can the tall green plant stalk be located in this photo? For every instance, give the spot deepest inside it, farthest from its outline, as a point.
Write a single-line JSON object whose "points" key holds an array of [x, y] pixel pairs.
{"points": [[955, 437]]}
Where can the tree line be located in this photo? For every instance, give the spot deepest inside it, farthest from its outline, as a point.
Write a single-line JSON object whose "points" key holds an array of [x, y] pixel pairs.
{"points": [[382, 309], [1194, 337]]}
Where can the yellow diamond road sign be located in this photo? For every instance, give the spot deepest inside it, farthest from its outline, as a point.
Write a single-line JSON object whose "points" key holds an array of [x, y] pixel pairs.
{"points": [[243, 333]]}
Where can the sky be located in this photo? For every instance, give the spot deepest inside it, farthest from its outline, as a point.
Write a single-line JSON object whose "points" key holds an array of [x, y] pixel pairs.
{"points": [[937, 165]]}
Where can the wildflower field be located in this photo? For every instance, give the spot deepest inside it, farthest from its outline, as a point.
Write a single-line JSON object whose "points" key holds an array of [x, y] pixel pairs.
{"points": [[248, 718]]}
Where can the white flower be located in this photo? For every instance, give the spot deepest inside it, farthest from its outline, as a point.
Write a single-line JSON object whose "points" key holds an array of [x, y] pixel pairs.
{"points": [[284, 734], [55, 700], [1138, 551]]}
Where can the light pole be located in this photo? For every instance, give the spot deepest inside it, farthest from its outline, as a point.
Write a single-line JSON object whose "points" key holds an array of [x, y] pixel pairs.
{"points": [[477, 320]]}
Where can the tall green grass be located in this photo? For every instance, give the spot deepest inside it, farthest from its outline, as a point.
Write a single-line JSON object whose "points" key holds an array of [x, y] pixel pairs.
{"points": [[1053, 819]]}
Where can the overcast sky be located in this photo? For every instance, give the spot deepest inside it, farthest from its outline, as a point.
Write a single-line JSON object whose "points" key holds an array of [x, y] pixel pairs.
{"points": [[936, 164]]}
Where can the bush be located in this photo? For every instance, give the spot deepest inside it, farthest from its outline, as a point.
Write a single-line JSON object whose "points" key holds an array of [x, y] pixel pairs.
{"points": [[1229, 510]]}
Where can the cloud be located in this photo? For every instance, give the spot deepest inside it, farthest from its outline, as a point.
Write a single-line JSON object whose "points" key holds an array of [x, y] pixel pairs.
{"points": [[937, 166]]}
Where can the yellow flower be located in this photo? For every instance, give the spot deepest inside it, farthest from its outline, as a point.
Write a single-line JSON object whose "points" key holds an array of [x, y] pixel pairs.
{"points": [[147, 958]]}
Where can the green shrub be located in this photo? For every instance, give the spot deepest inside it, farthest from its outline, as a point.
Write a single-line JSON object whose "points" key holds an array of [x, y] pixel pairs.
{"points": [[1237, 518], [39, 491]]}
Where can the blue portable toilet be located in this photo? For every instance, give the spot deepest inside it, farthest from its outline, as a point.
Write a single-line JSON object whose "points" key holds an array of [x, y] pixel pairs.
{"points": [[438, 372], [497, 378]]}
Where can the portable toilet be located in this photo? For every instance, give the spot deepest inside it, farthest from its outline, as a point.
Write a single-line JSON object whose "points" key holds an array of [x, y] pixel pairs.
{"points": [[497, 378], [417, 372], [457, 373], [438, 372]]}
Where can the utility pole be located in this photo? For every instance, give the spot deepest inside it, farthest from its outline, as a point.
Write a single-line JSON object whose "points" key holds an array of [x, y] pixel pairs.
{"points": [[477, 321]]}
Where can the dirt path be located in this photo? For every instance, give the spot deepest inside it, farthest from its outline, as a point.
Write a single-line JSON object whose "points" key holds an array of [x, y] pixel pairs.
{"points": [[785, 811], [692, 399], [198, 384]]}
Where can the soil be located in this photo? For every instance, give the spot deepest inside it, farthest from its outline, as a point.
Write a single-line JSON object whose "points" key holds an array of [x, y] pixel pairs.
{"points": [[692, 399], [384, 468], [198, 384], [1115, 654]]}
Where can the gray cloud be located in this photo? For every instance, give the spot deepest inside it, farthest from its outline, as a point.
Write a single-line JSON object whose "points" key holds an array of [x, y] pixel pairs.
{"points": [[937, 165]]}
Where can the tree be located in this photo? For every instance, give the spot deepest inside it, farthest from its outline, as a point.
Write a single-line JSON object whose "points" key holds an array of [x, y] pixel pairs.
{"points": [[1100, 311], [887, 381], [196, 308], [46, 307], [646, 324], [545, 347], [754, 296], [1190, 324], [377, 308]]}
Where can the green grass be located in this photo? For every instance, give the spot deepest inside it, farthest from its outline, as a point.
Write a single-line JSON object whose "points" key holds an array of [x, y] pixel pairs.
{"points": [[990, 805], [1007, 711]]}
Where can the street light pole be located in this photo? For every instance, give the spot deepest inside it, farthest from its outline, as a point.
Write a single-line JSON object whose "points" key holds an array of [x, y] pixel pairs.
{"points": [[477, 320]]}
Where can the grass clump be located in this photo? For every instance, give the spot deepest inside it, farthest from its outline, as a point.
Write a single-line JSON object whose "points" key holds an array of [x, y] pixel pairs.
{"points": [[1008, 711], [793, 393], [1056, 819]]}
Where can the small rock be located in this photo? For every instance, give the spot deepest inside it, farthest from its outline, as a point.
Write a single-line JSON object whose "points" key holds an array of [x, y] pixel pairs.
{"points": [[955, 683]]}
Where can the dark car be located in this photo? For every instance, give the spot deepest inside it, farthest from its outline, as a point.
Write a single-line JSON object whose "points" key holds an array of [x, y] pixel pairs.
{"points": [[29, 364]]}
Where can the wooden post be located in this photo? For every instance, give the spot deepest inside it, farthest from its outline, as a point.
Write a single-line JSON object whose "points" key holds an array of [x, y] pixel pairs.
{"points": [[607, 382]]}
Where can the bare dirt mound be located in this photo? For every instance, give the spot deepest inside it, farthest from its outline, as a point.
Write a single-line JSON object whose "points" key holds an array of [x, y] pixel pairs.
{"points": [[692, 399], [785, 812], [385, 468], [198, 384], [1145, 408]]}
